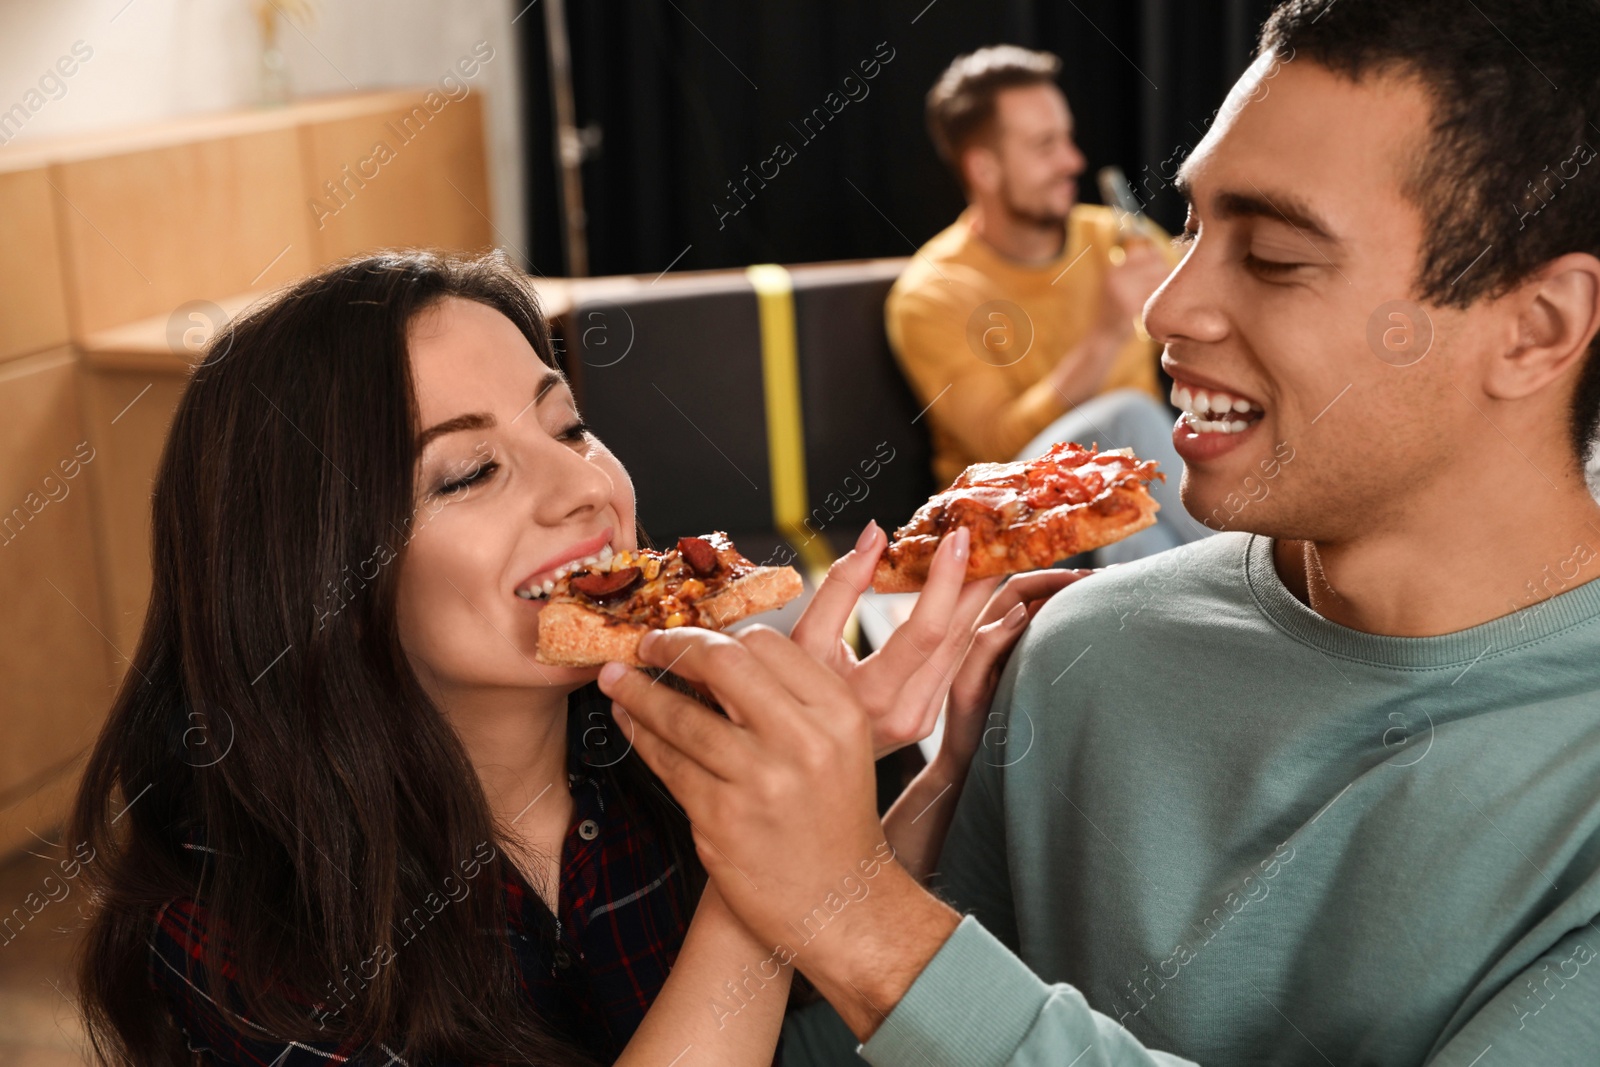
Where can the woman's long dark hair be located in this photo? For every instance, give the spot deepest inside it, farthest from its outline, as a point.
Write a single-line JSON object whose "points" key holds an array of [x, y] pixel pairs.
{"points": [[293, 739]]}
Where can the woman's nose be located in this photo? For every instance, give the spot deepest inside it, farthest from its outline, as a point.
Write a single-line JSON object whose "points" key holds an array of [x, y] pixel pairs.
{"points": [[570, 485]]}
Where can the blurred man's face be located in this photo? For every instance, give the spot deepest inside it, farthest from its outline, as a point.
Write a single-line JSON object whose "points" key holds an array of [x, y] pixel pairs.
{"points": [[1033, 163], [1304, 241]]}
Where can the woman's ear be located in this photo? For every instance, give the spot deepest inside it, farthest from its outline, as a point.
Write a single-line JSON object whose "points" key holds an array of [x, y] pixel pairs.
{"points": [[1558, 313]]}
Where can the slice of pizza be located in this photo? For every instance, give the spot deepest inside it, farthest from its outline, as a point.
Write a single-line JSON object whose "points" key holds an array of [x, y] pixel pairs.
{"points": [[599, 613], [1025, 515]]}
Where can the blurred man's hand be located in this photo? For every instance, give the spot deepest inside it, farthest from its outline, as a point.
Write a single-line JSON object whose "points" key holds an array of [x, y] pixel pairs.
{"points": [[1129, 284], [1135, 273]]}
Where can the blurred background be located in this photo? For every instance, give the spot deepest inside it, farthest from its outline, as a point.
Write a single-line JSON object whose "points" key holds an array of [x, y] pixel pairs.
{"points": [[165, 162]]}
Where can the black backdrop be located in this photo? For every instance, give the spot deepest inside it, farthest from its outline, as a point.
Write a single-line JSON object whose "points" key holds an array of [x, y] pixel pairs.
{"points": [[686, 93]]}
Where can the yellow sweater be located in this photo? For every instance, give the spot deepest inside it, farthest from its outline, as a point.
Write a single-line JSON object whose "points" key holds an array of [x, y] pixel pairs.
{"points": [[976, 334]]}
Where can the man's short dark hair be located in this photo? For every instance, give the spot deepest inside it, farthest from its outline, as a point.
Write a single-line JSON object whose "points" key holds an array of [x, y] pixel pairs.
{"points": [[961, 103], [1509, 178]]}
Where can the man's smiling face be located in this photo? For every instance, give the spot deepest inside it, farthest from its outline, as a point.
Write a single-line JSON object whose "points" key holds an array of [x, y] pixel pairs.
{"points": [[1301, 233]]}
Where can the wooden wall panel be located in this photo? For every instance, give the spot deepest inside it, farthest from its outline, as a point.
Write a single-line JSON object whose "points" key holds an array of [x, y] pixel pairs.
{"points": [[149, 230], [38, 808], [127, 414], [54, 655], [398, 176], [33, 303], [106, 236]]}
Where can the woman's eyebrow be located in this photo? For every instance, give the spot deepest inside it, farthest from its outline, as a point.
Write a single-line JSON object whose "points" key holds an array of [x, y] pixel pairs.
{"points": [[477, 420], [482, 420], [550, 380]]}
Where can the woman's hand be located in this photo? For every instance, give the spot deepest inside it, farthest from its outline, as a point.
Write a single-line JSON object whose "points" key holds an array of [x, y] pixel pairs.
{"points": [[920, 818], [902, 685], [998, 627]]}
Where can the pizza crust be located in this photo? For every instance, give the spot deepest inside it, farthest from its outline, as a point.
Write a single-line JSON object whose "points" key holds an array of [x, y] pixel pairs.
{"points": [[1124, 512], [571, 635], [767, 589]]}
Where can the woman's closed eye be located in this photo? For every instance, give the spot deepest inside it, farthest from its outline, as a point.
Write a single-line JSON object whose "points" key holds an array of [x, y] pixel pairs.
{"points": [[470, 478], [577, 432]]}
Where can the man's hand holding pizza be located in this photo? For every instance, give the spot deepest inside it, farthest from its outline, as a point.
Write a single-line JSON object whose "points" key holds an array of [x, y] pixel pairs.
{"points": [[782, 798]]}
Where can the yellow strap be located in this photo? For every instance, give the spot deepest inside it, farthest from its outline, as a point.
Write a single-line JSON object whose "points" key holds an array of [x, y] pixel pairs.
{"points": [[786, 453]]}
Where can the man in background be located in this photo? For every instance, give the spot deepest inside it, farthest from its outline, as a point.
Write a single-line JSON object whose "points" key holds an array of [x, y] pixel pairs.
{"points": [[1017, 325]]}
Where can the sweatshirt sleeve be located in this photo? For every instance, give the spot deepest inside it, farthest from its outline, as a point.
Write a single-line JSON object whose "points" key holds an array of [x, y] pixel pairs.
{"points": [[976, 404], [977, 1005]]}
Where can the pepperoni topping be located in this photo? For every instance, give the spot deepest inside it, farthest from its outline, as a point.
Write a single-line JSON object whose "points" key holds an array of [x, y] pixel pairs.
{"points": [[699, 554], [607, 585], [1048, 486]]}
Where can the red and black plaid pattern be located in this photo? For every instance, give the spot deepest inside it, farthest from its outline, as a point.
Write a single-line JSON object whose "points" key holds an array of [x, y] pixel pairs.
{"points": [[622, 919]]}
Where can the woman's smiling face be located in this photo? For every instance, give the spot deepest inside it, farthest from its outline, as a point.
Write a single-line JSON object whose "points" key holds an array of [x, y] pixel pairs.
{"points": [[510, 486]]}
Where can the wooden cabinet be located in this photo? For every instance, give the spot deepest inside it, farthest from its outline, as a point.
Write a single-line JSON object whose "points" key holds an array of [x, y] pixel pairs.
{"points": [[131, 223], [108, 237], [33, 301], [397, 174], [56, 658]]}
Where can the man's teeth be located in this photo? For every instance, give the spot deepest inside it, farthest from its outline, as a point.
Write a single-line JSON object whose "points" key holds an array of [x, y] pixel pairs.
{"points": [[1214, 411], [540, 590]]}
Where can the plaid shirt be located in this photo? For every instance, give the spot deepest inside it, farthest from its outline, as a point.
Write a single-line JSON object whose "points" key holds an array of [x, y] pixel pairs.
{"points": [[618, 931]]}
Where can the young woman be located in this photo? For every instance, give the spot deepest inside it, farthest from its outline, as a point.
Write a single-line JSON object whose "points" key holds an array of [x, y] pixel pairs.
{"points": [[338, 812]]}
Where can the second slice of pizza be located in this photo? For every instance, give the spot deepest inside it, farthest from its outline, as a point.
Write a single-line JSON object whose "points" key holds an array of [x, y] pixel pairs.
{"points": [[1025, 515]]}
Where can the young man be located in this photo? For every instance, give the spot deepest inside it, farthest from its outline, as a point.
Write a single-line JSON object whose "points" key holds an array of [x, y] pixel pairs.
{"points": [[1016, 324], [1320, 792]]}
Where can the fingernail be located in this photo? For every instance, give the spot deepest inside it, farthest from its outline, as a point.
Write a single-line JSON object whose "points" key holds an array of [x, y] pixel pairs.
{"points": [[611, 672], [963, 540], [1015, 616], [866, 536]]}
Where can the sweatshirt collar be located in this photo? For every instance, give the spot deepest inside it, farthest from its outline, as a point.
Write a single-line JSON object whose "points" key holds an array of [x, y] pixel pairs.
{"points": [[1569, 609]]}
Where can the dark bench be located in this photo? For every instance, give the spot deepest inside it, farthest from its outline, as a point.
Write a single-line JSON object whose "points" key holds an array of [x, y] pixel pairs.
{"points": [[669, 374]]}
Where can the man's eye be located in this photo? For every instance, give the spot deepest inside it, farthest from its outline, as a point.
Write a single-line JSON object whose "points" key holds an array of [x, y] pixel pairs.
{"points": [[1270, 267], [472, 477], [1184, 237]]}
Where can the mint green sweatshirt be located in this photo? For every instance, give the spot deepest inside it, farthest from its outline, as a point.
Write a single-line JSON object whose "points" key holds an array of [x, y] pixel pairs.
{"points": [[1210, 826]]}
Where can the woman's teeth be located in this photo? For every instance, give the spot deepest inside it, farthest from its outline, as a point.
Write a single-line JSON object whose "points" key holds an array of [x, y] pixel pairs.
{"points": [[1214, 411], [540, 590]]}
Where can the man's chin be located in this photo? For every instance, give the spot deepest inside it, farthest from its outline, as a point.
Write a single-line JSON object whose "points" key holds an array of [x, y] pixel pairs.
{"points": [[1043, 216], [1224, 501]]}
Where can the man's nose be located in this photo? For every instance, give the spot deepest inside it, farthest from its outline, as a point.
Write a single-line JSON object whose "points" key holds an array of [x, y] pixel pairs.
{"points": [[1075, 162]]}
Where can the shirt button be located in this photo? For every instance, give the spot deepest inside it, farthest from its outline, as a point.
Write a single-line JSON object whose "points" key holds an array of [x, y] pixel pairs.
{"points": [[562, 958], [588, 829]]}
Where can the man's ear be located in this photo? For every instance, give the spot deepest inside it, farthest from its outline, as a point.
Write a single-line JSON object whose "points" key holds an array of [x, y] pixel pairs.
{"points": [[1558, 313], [981, 167]]}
